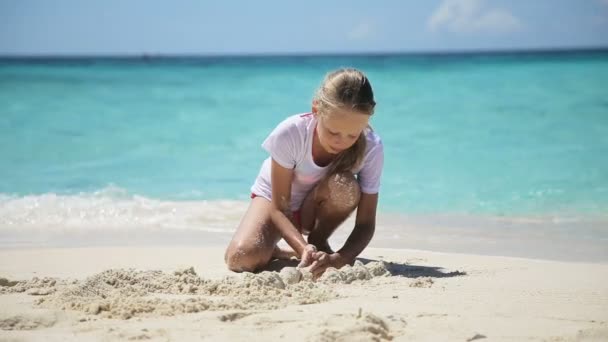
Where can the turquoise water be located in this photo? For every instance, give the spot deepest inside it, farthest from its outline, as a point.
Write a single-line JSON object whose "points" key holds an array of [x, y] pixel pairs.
{"points": [[477, 134]]}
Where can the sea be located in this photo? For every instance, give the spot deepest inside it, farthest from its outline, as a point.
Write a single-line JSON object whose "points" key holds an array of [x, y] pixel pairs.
{"points": [[501, 153]]}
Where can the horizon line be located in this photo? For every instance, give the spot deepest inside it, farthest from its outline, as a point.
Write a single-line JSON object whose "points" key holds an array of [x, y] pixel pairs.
{"points": [[155, 55]]}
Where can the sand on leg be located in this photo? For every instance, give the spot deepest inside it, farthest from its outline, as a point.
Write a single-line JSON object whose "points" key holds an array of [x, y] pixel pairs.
{"points": [[254, 241], [329, 204]]}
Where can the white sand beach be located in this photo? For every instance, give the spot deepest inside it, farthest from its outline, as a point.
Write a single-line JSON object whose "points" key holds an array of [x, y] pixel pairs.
{"points": [[186, 293], [469, 136]]}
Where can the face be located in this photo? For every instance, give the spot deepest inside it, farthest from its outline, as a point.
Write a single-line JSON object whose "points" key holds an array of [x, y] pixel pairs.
{"points": [[339, 129]]}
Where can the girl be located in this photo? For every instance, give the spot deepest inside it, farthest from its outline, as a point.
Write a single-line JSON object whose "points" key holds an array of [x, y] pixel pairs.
{"points": [[322, 166]]}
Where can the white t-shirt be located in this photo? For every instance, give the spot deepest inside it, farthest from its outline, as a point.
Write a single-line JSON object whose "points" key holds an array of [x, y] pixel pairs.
{"points": [[290, 145]]}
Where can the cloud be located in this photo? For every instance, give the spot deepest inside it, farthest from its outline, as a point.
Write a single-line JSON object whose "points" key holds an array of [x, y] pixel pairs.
{"points": [[470, 16], [361, 31]]}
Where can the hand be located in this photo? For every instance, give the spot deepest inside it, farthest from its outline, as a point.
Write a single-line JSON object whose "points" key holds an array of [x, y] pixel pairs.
{"points": [[322, 261], [320, 243], [307, 255]]}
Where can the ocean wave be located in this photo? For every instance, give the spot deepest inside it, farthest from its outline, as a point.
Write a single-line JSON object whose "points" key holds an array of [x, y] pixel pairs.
{"points": [[114, 217], [116, 208]]}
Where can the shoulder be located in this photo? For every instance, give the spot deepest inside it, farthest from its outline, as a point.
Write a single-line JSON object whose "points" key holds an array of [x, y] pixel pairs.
{"points": [[297, 123], [374, 151], [287, 141], [373, 142], [291, 133], [370, 170]]}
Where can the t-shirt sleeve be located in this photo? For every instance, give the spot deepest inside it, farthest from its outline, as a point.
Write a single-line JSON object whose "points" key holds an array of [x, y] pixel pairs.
{"points": [[369, 176], [283, 144]]}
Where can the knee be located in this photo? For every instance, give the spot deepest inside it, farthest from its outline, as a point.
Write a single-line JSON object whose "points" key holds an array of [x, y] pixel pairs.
{"points": [[343, 192], [242, 258]]}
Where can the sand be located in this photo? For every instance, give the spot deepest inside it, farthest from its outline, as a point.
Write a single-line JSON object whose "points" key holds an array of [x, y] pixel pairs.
{"points": [[177, 294]]}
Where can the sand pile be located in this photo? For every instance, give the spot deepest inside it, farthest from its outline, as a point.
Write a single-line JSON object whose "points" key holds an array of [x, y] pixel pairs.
{"points": [[358, 271], [125, 293], [34, 286], [362, 327]]}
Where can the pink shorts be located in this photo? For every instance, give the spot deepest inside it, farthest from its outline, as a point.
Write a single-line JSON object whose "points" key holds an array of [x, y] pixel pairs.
{"points": [[296, 214]]}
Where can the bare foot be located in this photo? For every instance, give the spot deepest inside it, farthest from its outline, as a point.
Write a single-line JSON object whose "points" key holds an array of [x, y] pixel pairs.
{"points": [[283, 254]]}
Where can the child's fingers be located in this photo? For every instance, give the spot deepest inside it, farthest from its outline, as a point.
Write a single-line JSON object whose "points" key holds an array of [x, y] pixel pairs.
{"points": [[322, 257], [320, 263], [319, 270], [318, 255], [307, 258], [303, 263]]}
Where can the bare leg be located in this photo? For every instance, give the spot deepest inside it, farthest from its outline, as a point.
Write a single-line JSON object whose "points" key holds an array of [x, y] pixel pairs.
{"points": [[255, 239], [329, 204]]}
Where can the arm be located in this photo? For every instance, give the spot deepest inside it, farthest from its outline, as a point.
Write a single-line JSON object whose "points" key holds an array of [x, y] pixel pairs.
{"points": [[360, 237], [363, 232], [281, 179], [365, 224]]}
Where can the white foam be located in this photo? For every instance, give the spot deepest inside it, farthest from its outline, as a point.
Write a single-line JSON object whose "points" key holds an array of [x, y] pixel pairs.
{"points": [[113, 207], [114, 217]]}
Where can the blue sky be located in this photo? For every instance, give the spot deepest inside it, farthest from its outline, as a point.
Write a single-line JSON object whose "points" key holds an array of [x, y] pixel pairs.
{"points": [[311, 26]]}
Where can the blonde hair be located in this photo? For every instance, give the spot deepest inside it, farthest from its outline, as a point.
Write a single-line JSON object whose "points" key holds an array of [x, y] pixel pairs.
{"points": [[346, 89]]}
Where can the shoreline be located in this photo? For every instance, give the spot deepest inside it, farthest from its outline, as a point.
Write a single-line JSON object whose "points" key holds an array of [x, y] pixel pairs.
{"points": [[529, 241], [112, 217]]}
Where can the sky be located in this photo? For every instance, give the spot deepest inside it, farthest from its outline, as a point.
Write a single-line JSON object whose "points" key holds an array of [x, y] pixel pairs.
{"points": [[173, 27]]}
